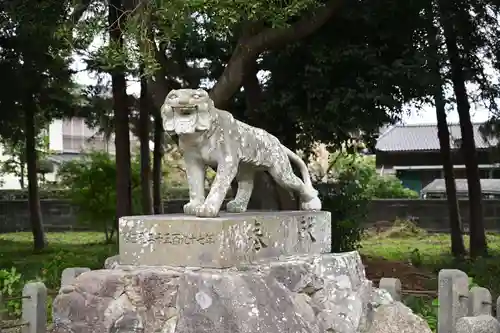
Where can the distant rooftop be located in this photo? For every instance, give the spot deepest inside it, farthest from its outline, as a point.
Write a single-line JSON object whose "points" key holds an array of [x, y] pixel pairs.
{"points": [[424, 138], [488, 186]]}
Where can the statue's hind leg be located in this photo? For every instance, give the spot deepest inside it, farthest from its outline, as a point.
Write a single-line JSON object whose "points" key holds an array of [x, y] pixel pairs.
{"points": [[245, 179], [283, 174]]}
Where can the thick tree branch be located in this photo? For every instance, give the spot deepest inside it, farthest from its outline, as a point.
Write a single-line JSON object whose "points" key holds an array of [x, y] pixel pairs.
{"points": [[272, 38], [249, 48]]}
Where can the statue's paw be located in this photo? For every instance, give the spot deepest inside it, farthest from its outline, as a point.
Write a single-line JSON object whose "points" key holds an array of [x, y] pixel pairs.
{"points": [[313, 204], [190, 207], [235, 207], [207, 210]]}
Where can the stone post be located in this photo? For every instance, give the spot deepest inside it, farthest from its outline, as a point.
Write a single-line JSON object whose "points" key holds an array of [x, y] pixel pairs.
{"points": [[478, 324], [34, 308], [69, 274], [453, 294], [479, 302], [392, 286]]}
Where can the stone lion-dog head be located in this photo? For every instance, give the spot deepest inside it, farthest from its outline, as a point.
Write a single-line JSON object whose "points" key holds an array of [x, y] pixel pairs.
{"points": [[186, 111]]}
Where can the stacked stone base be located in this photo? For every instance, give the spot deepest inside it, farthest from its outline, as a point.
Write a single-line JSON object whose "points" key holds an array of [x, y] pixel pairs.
{"points": [[301, 293]]}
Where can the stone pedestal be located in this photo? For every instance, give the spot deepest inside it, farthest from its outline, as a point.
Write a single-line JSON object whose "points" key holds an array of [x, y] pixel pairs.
{"points": [[225, 241], [260, 272]]}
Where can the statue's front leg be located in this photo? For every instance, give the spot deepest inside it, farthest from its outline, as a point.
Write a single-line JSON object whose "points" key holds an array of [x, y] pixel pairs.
{"points": [[195, 170], [226, 171]]}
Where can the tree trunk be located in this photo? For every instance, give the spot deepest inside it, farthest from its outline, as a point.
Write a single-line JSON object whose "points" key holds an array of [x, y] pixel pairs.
{"points": [[21, 168], [121, 110], [457, 241], [39, 240], [157, 158], [147, 202], [478, 245], [267, 195]]}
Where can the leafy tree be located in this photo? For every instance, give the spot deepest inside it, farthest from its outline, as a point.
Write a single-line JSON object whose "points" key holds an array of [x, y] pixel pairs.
{"points": [[16, 163], [373, 185], [91, 182], [435, 56], [34, 59], [354, 181], [143, 24], [465, 41]]}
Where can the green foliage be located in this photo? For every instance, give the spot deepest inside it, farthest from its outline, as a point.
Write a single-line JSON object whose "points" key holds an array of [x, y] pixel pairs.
{"points": [[348, 205], [428, 308], [15, 164], [434, 255], [68, 249], [389, 187], [375, 185], [356, 183], [53, 193], [91, 183], [425, 308], [11, 285], [172, 21], [35, 62]]}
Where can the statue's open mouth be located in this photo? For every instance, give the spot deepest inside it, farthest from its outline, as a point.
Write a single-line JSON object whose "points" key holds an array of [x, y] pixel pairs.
{"points": [[188, 109]]}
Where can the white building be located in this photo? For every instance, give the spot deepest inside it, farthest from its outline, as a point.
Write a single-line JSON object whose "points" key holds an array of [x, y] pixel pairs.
{"points": [[68, 139]]}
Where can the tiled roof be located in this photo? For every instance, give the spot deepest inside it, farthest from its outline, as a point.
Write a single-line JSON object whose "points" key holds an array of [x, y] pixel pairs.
{"points": [[424, 137], [439, 186]]}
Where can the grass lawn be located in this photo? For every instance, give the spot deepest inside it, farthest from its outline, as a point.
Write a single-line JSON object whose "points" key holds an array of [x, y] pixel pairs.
{"points": [[66, 249], [427, 254], [413, 258], [431, 252]]}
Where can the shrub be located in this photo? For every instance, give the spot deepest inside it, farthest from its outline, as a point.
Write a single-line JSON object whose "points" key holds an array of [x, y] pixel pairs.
{"points": [[354, 182], [11, 285], [52, 193], [347, 201], [91, 183], [389, 187]]}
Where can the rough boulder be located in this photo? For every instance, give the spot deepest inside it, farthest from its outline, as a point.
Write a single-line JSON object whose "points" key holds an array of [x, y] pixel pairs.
{"points": [[312, 293]]}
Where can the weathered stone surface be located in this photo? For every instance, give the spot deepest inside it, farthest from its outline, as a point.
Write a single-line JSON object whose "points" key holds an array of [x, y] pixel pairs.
{"points": [[478, 324], [306, 293], [225, 241], [396, 318]]}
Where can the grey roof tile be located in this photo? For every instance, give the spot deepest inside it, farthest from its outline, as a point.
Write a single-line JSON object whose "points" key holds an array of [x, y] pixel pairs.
{"points": [[424, 137], [439, 186]]}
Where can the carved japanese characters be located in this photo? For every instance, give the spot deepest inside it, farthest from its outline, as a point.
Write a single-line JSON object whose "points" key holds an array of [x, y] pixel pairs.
{"points": [[209, 136]]}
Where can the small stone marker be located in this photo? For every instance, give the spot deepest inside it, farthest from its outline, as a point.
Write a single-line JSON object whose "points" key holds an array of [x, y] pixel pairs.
{"points": [[478, 324], [225, 241], [392, 286], [480, 301], [69, 274], [34, 311], [453, 294]]}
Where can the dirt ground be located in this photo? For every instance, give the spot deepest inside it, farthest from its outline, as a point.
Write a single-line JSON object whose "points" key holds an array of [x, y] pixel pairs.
{"points": [[411, 278]]}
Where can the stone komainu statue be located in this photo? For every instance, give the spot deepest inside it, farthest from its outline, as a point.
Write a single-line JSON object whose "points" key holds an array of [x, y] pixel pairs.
{"points": [[209, 136]]}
